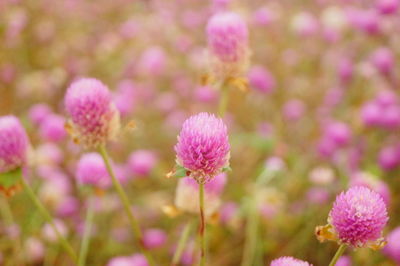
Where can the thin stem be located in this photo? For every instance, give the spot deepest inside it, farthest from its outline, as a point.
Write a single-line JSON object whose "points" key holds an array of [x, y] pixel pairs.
{"points": [[181, 244], [223, 101], [202, 226], [251, 233], [86, 235], [339, 253], [49, 219], [125, 202]]}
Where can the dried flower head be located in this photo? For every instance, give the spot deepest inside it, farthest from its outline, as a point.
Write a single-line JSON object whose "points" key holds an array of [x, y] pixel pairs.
{"points": [[94, 116]]}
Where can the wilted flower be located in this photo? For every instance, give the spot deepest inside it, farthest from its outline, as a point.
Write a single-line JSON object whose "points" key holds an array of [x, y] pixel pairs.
{"points": [[289, 261], [357, 219], [203, 147], [94, 117]]}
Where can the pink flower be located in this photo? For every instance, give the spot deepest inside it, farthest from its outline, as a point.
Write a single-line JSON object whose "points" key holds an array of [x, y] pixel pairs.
{"points": [[261, 79], [289, 261], [134, 260], [91, 170], [52, 128], [154, 238], [392, 249], [13, 144], [94, 116], [358, 217], [227, 38], [203, 146], [142, 162]]}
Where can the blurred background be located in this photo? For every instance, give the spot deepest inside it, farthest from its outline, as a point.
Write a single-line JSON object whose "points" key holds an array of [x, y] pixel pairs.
{"points": [[322, 113]]}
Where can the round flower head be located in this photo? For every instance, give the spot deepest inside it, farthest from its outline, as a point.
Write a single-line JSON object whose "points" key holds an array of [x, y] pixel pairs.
{"points": [[94, 116], [289, 261], [227, 38], [91, 170], [358, 217], [203, 146], [13, 144]]}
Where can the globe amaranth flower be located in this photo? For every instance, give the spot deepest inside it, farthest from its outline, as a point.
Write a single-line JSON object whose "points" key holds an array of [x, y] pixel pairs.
{"points": [[94, 117], [203, 148], [357, 219], [227, 38], [289, 261], [14, 144], [91, 170], [187, 193]]}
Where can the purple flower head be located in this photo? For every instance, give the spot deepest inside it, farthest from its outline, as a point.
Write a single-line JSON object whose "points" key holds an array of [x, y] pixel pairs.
{"points": [[293, 109], [338, 132], [52, 128], [261, 79], [227, 38], [371, 114], [358, 217], [154, 238], [289, 261], [94, 116], [91, 170], [142, 162], [387, 7], [383, 59], [203, 146], [392, 249], [13, 144], [38, 113], [389, 157]]}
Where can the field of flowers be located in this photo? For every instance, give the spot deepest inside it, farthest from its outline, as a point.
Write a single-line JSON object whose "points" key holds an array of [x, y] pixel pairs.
{"points": [[192, 132]]}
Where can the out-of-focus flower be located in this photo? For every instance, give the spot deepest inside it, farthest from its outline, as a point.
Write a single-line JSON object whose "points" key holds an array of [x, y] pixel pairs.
{"points": [[205, 94], [134, 260], [52, 128], [338, 132], [345, 69], [392, 249], [49, 234], [387, 7], [294, 109], [227, 38], [142, 162], [187, 191], [261, 79], [263, 16], [322, 176], [154, 238], [357, 219], [368, 180], [388, 157], [203, 148], [91, 170], [153, 61], [34, 250], [13, 144], [343, 261], [304, 24], [39, 112], [289, 261], [94, 117], [383, 60]]}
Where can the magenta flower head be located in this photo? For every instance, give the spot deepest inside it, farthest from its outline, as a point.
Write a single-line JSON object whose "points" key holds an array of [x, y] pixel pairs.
{"points": [[142, 162], [289, 261], [14, 144], [392, 249], [357, 219], [227, 38], [91, 170], [203, 148], [94, 117]]}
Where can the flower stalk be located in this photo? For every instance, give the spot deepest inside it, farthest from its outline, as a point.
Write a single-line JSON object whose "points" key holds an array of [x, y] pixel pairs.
{"points": [[202, 226], [338, 254]]}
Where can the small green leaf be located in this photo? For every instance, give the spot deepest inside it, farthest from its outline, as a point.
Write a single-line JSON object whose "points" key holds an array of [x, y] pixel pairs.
{"points": [[180, 171], [227, 169], [10, 178]]}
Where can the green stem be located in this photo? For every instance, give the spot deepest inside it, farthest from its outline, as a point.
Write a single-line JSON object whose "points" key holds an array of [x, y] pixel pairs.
{"points": [[223, 101], [49, 219], [125, 202], [202, 226], [251, 233], [181, 244], [86, 235], [339, 253]]}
